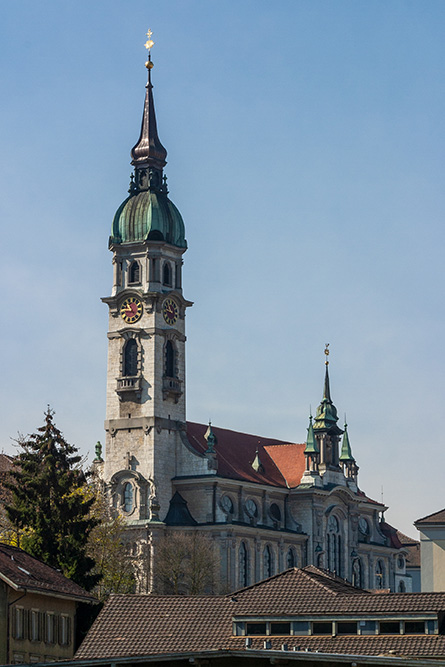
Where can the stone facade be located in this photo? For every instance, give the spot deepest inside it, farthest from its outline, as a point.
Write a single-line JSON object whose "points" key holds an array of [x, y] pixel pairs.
{"points": [[267, 506]]}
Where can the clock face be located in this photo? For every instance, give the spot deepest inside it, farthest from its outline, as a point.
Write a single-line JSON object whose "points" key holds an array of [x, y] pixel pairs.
{"points": [[170, 311], [131, 310]]}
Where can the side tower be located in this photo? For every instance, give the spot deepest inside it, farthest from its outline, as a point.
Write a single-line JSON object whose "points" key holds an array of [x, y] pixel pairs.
{"points": [[145, 412]]}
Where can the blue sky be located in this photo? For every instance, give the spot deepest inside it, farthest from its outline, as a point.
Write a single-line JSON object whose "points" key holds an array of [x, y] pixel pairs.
{"points": [[305, 147]]}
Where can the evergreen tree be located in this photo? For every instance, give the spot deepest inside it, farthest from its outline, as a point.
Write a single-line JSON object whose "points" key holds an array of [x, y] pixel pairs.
{"points": [[49, 504]]}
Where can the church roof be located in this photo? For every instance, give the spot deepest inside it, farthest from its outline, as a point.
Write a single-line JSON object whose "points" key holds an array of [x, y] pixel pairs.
{"points": [[282, 462]]}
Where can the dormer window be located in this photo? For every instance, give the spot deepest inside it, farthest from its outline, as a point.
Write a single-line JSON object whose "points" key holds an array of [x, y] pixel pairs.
{"points": [[134, 274]]}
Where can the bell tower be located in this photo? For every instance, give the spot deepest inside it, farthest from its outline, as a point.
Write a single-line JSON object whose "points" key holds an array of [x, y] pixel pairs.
{"points": [[145, 414]]}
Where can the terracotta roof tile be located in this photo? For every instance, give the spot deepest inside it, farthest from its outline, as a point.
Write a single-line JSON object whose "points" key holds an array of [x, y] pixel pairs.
{"points": [[131, 625], [289, 459], [25, 571], [436, 517], [235, 453]]}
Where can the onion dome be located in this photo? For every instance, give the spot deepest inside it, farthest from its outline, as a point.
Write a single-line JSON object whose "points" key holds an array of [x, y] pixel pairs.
{"points": [[148, 214]]}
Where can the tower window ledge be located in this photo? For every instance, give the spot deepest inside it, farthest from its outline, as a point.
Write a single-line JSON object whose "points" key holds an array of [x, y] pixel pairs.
{"points": [[129, 384], [172, 387]]}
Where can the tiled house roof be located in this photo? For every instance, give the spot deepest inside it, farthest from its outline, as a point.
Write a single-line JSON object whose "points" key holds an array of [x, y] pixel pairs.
{"points": [[431, 519], [136, 625], [413, 547], [22, 571]]}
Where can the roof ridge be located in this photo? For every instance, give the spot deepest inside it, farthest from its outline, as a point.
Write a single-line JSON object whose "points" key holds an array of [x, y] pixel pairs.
{"points": [[428, 516], [312, 569], [261, 582], [252, 435]]}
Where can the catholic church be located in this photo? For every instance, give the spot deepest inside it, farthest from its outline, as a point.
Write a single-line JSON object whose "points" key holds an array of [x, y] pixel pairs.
{"points": [[267, 504]]}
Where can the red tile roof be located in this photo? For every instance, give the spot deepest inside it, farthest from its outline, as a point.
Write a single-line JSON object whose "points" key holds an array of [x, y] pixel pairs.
{"points": [[22, 571], [235, 453], [136, 625]]}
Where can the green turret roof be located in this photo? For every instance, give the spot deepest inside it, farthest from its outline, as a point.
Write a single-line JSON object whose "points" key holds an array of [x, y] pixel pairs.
{"points": [[346, 452], [326, 417], [148, 214], [311, 442]]}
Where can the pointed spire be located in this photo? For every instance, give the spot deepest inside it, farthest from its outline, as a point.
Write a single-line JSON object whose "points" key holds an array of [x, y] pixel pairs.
{"points": [[346, 452], [211, 439], [311, 442], [148, 152], [326, 417]]}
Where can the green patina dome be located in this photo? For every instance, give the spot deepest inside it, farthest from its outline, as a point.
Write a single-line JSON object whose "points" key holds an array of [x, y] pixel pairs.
{"points": [[148, 215]]}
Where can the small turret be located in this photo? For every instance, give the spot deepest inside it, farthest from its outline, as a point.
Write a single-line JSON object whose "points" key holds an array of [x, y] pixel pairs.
{"points": [[350, 468]]}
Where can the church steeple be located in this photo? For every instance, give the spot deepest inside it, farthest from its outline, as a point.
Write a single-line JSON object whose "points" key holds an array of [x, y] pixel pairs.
{"points": [[148, 214], [326, 417], [148, 152]]}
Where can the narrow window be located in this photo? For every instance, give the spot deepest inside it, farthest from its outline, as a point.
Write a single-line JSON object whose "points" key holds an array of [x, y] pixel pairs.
{"points": [[267, 562], [135, 273], [65, 630], [131, 358], [50, 628], [170, 360], [167, 274], [243, 571], [128, 497], [291, 559], [333, 540], [402, 587], [19, 623], [35, 634]]}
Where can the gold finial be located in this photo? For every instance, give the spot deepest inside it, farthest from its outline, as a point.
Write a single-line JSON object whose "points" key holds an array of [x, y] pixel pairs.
{"points": [[326, 351], [149, 45]]}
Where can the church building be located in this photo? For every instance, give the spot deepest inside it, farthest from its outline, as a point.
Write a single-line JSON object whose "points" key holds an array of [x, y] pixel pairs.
{"points": [[267, 504]]}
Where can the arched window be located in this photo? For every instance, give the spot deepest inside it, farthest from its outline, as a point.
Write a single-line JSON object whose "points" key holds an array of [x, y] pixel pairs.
{"points": [[167, 274], [128, 497], [170, 360], [243, 572], [402, 587], [357, 576], [268, 565], [291, 557], [380, 581], [333, 539], [131, 358], [134, 275]]}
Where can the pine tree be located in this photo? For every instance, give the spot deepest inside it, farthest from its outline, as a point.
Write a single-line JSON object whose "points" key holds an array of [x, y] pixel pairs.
{"points": [[49, 504]]}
